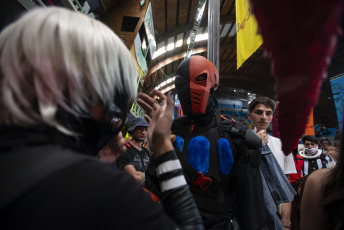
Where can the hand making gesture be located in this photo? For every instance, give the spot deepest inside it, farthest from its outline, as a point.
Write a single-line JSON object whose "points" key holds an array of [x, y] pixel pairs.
{"points": [[160, 121]]}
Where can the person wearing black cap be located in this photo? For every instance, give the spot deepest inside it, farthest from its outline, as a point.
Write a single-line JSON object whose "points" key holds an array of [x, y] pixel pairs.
{"points": [[135, 160]]}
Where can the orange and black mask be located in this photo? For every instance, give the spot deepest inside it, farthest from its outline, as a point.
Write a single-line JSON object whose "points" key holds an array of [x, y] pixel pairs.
{"points": [[196, 79]]}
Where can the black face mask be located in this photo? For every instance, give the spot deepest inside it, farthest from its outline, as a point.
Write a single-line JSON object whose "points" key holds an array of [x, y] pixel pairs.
{"points": [[93, 134], [111, 124]]}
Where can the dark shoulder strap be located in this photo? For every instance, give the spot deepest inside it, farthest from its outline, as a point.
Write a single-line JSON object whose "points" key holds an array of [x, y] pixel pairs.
{"points": [[299, 162], [323, 159], [253, 142], [233, 127], [24, 168]]}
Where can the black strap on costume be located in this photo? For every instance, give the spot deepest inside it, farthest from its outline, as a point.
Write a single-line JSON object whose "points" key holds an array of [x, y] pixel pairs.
{"points": [[251, 139], [323, 160], [24, 168], [219, 124]]}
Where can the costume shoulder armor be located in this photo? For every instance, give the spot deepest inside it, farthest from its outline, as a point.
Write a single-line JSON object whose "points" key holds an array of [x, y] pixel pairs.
{"points": [[253, 142], [230, 125]]}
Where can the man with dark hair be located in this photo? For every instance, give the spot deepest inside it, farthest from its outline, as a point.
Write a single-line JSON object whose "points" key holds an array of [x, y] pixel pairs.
{"points": [[311, 158], [330, 150], [274, 165], [261, 111], [135, 160], [262, 100]]}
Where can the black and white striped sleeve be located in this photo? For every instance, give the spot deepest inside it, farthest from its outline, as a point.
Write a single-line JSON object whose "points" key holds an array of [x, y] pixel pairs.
{"points": [[169, 172], [176, 197]]}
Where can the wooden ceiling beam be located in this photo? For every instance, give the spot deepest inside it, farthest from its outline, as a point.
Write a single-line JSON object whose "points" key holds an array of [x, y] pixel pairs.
{"points": [[177, 13], [222, 4], [187, 26], [174, 58], [165, 15], [189, 10], [202, 44], [230, 9]]}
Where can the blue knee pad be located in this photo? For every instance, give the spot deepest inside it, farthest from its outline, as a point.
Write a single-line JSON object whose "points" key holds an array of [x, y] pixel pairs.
{"points": [[179, 143], [198, 154], [226, 159]]}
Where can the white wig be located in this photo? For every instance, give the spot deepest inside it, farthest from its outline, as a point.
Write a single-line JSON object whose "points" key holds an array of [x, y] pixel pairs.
{"points": [[53, 57]]}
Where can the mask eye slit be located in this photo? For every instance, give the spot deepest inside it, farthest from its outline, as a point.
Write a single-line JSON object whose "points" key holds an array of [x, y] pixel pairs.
{"points": [[201, 77]]}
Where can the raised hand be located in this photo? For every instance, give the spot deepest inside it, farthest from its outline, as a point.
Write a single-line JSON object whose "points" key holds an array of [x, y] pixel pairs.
{"points": [[160, 121], [262, 134]]}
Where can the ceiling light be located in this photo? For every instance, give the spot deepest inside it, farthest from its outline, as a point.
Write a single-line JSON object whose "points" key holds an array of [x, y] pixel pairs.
{"points": [[179, 43], [170, 46]]}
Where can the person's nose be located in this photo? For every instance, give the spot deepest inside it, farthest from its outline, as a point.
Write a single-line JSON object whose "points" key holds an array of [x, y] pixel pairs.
{"points": [[263, 116]]}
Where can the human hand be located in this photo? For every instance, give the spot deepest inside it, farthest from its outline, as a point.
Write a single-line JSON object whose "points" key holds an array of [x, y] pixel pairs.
{"points": [[262, 135], [160, 121], [117, 145], [113, 149]]}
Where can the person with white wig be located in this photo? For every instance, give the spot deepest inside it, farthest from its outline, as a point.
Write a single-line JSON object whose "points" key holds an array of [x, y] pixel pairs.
{"points": [[67, 83]]}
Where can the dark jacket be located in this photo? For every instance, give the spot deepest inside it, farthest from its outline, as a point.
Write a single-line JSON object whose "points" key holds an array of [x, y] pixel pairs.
{"points": [[81, 193]]}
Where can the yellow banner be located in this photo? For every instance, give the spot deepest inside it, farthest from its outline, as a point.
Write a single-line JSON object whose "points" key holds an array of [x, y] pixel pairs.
{"points": [[248, 41], [139, 70]]}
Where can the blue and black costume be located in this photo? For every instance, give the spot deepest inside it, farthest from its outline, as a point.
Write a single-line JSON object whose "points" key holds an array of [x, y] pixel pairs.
{"points": [[220, 157]]}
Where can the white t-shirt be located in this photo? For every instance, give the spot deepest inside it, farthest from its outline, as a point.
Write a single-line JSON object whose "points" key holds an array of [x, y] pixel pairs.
{"points": [[286, 162]]}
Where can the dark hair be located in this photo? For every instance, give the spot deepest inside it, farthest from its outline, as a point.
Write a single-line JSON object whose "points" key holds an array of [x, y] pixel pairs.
{"points": [[325, 141], [262, 100], [333, 195], [310, 138]]}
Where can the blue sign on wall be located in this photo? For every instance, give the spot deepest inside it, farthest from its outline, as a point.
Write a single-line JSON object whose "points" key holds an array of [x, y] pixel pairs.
{"points": [[337, 85]]}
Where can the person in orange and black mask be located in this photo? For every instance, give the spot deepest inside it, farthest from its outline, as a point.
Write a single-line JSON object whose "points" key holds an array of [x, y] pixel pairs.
{"points": [[220, 157]]}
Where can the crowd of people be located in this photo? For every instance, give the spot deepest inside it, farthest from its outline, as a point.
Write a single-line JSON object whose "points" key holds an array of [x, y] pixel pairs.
{"points": [[67, 83]]}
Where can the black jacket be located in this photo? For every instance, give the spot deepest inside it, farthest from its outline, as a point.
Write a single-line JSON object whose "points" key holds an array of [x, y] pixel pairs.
{"points": [[82, 193]]}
